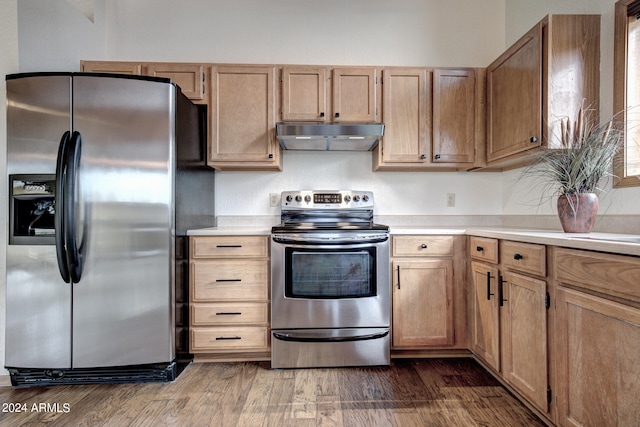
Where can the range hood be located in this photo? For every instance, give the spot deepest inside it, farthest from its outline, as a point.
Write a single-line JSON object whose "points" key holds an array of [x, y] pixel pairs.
{"points": [[329, 136]]}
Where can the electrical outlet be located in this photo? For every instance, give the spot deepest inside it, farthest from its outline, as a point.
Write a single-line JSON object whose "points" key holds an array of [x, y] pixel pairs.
{"points": [[273, 199], [451, 200]]}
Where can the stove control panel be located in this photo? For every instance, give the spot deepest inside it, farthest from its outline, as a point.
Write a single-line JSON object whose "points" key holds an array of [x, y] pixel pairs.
{"points": [[337, 199]]}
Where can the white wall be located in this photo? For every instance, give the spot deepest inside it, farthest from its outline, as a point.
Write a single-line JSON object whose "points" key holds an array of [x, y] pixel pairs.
{"points": [[521, 15], [8, 65]]}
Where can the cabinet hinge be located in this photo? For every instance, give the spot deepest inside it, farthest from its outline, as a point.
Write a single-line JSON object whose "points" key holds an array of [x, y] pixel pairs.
{"points": [[549, 394], [547, 301]]}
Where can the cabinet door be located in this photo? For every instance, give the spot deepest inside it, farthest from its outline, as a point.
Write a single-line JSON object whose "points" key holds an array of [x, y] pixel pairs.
{"points": [[111, 67], [598, 350], [485, 314], [242, 125], [406, 114], [423, 303], [354, 95], [514, 98], [304, 94], [524, 337], [454, 111], [190, 77]]}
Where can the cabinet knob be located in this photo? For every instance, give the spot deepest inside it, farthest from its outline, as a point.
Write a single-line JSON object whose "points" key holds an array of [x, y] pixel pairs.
{"points": [[437, 156], [322, 114], [271, 156], [423, 156], [517, 257], [534, 139], [423, 246], [337, 115], [479, 248]]}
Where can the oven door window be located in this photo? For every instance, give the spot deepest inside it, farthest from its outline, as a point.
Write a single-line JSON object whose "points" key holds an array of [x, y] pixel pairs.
{"points": [[330, 273]]}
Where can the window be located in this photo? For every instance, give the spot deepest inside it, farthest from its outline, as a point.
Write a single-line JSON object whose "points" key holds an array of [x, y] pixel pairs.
{"points": [[626, 90]]}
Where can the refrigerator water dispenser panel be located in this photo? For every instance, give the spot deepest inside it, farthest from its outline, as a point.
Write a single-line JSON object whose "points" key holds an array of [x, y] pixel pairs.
{"points": [[32, 209]]}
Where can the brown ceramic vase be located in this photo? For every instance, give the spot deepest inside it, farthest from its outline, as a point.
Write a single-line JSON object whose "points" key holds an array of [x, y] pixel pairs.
{"points": [[577, 212]]}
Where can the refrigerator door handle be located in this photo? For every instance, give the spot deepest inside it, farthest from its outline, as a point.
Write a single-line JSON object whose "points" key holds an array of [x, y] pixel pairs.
{"points": [[61, 177], [74, 258]]}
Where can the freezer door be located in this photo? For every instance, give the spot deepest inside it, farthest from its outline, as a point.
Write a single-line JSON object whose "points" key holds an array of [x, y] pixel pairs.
{"points": [[123, 303], [38, 302]]}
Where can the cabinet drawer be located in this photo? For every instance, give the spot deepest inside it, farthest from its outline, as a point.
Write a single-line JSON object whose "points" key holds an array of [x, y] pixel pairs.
{"points": [[525, 257], [424, 245], [227, 338], [613, 275], [224, 280], [229, 247], [483, 249], [219, 314]]}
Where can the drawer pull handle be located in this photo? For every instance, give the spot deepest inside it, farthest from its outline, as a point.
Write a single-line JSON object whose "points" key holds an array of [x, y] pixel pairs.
{"points": [[501, 282], [423, 246], [228, 280], [517, 257], [489, 277], [228, 246], [479, 248], [228, 313], [228, 338]]}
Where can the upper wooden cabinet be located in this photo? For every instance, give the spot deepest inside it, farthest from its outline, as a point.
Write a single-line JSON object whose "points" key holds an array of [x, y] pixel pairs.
{"points": [[434, 119], [406, 112], [454, 116], [304, 94], [190, 77], [242, 118], [322, 94], [134, 68], [545, 77]]}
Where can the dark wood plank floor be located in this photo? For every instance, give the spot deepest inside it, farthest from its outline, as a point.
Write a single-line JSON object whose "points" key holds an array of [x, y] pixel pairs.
{"points": [[438, 392]]}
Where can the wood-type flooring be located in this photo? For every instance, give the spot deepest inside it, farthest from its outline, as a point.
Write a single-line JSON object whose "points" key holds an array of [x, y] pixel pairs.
{"points": [[421, 392]]}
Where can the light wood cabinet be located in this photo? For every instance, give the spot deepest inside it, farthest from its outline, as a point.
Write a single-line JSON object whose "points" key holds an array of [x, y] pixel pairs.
{"points": [[324, 94], [598, 339], [190, 77], [304, 94], [510, 305], [547, 75], [406, 112], [434, 119], [229, 295], [242, 118], [455, 116], [134, 68], [428, 300], [485, 314]]}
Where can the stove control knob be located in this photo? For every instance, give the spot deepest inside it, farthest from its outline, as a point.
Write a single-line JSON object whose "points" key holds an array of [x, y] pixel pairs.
{"points": [[307, 198], [298, 198], [347, 199], [365, 198], [289, 198], [356, 198]]}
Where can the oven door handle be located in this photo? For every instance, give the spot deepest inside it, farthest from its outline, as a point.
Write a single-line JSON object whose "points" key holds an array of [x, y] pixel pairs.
{"points": [[301, 336], [314, 240]]}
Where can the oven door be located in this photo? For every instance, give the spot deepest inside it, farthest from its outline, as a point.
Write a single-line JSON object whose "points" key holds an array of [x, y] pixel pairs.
{"points": [[331, 281]]}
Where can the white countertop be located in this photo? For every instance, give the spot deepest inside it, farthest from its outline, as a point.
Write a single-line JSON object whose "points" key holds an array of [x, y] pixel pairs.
{"points": [[603, 242]]}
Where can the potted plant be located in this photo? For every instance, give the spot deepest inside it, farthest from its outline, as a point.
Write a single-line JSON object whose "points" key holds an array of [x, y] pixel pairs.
{"points": [[575, 171]]}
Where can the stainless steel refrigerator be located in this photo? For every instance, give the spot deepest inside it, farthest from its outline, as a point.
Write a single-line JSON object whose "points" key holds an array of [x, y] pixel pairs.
{"points": [[106, 173]]}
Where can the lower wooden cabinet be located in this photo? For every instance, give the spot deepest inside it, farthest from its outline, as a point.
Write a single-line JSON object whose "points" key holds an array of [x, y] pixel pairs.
{"points": [[229, 295], [485, 314], [423, 303], [428, 298], [598, 338], [524, 345]]}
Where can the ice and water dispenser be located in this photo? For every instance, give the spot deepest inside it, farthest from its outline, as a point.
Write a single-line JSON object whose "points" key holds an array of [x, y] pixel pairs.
{"points": [[32, 209]]}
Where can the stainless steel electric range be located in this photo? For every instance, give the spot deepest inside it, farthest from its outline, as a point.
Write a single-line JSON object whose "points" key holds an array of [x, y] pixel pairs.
{"points": [[330, 282]]}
